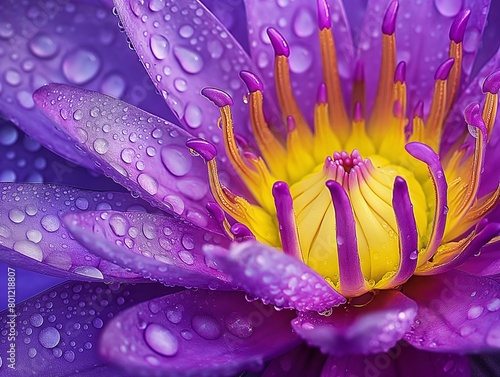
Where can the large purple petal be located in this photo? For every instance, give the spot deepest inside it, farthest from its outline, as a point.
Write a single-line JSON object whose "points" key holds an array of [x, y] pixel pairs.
{"points": [[297, 22], [422, 41], [32, 235], [302, 361], [373, 328], [144, 153], [58, 330], [184, 49], [157, 247], [400, 361], [202, 333], [457, 312], [74, 43], [485, 262], [273, 276]]}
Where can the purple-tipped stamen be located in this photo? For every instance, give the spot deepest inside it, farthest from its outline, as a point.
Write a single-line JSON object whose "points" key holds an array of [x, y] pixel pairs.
{"points": [[425, 154], [204, 148], [324, 19], [218, 97], [492, 83], [322, 94], [350, 273], [389, 23], [473, 117], [286, 219], [407, 230], [400, 73], [444, 69], [278, 42], [252, 82], [242, 233], [457, 30]]}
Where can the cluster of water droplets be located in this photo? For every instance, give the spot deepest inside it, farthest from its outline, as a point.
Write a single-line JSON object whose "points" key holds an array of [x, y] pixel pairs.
{"points": [[31, 225]]}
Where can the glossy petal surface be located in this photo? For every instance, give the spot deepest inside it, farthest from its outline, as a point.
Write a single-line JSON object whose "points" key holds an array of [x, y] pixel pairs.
{"points": [[33, 236], [302, 361], [58, 330], [144, 153], [200, 333], [373, 328], [157, 247], [75, 43], [400, 361], [457, 312], [275, 277]]}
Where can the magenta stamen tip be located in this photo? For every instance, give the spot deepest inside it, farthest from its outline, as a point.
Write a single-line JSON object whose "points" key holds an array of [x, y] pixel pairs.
{"points": [[204, 148], [324, 19], [472, 113], [322, 94], [358, 112], [444, 70], [389, 23], [419, 110], [252, 82], [400, 74], [217, 213], [280, 189], [457, 29], [492, 83], [279, 43], [359, 72], [290, 123], [241, 232], [217, 96]]}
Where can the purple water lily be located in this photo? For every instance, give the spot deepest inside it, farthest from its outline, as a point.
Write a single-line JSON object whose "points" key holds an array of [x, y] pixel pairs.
{"points": [[333, 211]]}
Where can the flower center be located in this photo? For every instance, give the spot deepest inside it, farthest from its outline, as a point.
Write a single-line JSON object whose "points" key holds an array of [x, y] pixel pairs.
{"points": [[362, 224]]}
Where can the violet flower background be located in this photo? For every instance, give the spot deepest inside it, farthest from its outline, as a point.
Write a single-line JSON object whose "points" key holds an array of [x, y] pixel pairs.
{"points": [[42, 165]]}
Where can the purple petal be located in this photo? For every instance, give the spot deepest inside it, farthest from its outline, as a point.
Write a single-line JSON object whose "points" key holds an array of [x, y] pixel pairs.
{"points": [[302, 361], [156, 247], [373, 328], [422, 42], [201, 333], [32, 235], [484, 262], [144, 153], [75, 43], [58, 330], [457, 312], [275, 277], [184, 49], [400, 361], [301, 32]]}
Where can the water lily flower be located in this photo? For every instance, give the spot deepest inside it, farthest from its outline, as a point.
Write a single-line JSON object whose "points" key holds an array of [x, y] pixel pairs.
{"points": [[334, 213]]}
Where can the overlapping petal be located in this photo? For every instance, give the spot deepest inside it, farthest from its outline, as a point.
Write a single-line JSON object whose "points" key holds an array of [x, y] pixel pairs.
{"points": [[75, 43], [58, 330], [275, 277], [400, 361], [200, 333], [32, 234], [144, 153], [421, 28], [369, 329], [297, 21], [302, 361], [156, 247], [457, 312]]}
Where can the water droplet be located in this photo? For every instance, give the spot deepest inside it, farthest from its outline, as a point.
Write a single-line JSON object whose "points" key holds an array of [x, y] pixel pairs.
{"points": [[6, 30], [206, 326], [448, 8], [113, 85], [97, 323], [119, 225], [472, 39], [238, 325], [161, 340], [148, 183], [193, 115], [186, 257], [36, 320], [159, 46], [493, 337], [8, 135], [300, 60], [494, 305], [156, 5], [180, 85], [89, 271], [189, 60], [186, 334], [69, 356], [304, 23], [101, 146], [174, 316], [12, 77], [49, 337], [414, 255], [128, 155], [81, 66], [475, 312], [32, 352], [50, 223], [186, 31], [149, 230], [25, 99], [82, 204], [43, 46], [16, 215], [188, 242], [34, 235], [176, 159], [215, 48]]}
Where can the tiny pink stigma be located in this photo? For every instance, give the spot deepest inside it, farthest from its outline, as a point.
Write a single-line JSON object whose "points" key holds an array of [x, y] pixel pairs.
{"points": [[278, 42], [400, 73], [444, 69], [389, 23], [457, 29]]}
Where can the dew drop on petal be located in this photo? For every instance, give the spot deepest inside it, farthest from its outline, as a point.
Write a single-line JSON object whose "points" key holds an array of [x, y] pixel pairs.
{"points": [[186, 257], [36, 320], [304, 23], [101, 146], [49, 337], [193, 115], [206, 326], [161, 340], [50, 223], [176, 159], [16, 215], [448, 8], [119, 225], [42, 46], [159, 46], [148, 183], [190, 61], [81, 66], [300, 60], [89, 271], [238, 325], [29, 249], [113, 85]]}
